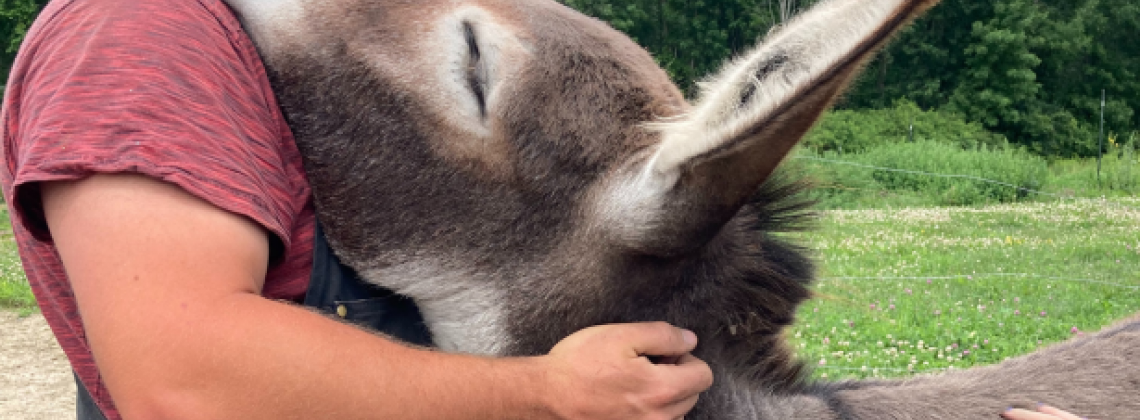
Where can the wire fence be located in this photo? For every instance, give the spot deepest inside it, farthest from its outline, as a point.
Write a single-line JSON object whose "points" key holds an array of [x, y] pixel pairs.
{"points": [[956, 176], [985, 275], [1059, 197]]}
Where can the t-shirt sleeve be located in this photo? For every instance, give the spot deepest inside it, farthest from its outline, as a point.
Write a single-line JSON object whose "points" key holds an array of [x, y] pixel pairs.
{"points": [[155, 88]]}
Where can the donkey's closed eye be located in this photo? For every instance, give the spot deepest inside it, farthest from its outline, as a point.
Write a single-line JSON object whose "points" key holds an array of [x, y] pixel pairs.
{"points": [[476, 74]]}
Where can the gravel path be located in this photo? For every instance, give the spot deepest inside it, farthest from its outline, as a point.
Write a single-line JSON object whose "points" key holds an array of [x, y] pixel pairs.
{"points": [[35, 378]]}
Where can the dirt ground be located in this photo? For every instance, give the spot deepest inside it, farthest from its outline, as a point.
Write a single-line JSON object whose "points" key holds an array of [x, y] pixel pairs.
{"points": [[35, 379]]}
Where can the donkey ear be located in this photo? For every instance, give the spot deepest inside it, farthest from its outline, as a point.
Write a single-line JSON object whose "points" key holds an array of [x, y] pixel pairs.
{"points": [[751, 115]]}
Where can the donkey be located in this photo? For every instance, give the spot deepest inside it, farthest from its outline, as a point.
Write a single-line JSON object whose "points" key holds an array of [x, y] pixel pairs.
{"points": [[523, 171]]}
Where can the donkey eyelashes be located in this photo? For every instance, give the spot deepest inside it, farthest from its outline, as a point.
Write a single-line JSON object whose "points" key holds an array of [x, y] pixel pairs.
{"points": [[476, 72]]}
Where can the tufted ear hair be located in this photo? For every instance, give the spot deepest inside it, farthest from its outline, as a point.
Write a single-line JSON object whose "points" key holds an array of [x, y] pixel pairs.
{"points": [[752, 114]]}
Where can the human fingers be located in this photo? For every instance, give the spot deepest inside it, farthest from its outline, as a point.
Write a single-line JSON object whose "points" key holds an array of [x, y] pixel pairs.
{"points": [[680, 409], [602, 373], [1019, 414], [690, 376], [657, 339], [1063, 415]]}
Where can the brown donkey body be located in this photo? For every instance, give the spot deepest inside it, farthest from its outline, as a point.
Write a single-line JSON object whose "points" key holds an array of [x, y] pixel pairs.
{"points": [[523, 171]]}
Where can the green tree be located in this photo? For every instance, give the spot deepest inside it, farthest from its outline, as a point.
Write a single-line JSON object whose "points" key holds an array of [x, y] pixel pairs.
{"points": [[16, 17], [691, 38], [999, 87], [925, 63]]}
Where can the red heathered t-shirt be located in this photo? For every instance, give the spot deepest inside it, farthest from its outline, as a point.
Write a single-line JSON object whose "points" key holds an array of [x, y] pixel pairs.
{"points": [[172, 89]]}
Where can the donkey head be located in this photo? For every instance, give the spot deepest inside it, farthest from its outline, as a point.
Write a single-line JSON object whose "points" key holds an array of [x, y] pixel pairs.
{"points": [[524, 171]]}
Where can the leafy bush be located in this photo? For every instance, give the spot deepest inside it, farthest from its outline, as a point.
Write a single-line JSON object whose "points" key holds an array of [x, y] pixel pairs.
{"points": [[848, 131]]}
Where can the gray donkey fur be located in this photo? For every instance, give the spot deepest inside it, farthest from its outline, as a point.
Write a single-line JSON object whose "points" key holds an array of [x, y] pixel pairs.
{"points": [[523, 171]]}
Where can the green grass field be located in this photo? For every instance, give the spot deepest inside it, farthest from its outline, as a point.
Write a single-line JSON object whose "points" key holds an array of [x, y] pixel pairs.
{"points": [[919, 290]]}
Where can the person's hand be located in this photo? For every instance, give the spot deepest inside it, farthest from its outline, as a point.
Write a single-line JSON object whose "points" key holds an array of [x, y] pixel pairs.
{"points": [[1043, 412], [606, 372]]}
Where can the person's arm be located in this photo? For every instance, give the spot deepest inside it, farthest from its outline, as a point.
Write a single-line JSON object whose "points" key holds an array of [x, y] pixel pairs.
{"points": [[1044, 412], [168, 288]]}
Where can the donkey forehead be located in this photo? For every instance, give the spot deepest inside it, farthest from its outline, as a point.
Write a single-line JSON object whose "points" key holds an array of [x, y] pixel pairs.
{"points": [[589, 84], [420, 44]]}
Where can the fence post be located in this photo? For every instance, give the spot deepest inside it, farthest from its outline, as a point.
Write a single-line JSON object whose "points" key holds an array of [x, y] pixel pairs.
{"points": [[910, 134], [1100, 138]]}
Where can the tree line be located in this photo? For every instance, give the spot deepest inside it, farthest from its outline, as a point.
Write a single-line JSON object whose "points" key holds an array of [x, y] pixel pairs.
{"points": [[1030, 70]]}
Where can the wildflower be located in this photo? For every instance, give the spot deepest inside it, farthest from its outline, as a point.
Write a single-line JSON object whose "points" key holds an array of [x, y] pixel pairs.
{"points": [[937, 312], [965, 352], [981, 308], [872, 306], [1016, 300], [986, 341], [826, 340], [955, 345], [1017, 311], [1075, 330], [892, 307], [1042, 313], [927, 281], [822, 362], [909, 292]]}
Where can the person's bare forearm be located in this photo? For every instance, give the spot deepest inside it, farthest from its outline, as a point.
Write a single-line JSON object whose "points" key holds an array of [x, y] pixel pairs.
{"points": [[251, 358]]}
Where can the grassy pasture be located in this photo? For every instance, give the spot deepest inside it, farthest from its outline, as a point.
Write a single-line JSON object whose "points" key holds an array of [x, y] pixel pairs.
{"points": [[918, 290]]}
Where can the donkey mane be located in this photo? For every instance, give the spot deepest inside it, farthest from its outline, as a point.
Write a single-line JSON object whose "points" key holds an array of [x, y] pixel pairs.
{"points": [[759, 278]]}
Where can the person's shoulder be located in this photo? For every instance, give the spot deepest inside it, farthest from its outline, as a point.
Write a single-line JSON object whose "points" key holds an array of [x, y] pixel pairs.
{"points": [[141, 16]]}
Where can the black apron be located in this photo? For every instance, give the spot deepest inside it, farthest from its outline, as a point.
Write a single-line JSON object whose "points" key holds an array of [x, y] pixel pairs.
{"points": [[333, 289]]}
